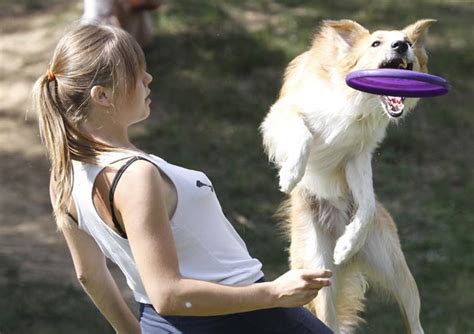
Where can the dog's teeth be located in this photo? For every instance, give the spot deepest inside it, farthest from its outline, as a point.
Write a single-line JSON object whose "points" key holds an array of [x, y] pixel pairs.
{"points": [[403, 65]]}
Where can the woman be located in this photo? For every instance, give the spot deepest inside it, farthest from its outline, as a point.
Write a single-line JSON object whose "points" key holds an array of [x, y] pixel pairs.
{"points": [[160, 223]]}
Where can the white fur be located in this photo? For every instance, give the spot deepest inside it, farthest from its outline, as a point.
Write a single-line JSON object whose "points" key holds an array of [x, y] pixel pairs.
{"points": [[321, 135], [330, 131]]}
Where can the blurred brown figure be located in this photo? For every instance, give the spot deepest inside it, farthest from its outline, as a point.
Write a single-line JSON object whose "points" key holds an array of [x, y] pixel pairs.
{"points": [[131, 15]]}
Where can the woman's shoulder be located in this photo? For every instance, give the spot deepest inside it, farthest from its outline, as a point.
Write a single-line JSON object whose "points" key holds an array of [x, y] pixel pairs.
{"points": [[141, 187], [138, 172], [115, 158], [139, 166]]}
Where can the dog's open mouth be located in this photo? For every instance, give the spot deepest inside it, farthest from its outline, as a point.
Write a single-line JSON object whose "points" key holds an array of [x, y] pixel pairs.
{"points": [[394, 105]]}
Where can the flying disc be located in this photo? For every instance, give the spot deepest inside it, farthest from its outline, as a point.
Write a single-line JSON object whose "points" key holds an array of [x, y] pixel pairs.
{"points": [[397, 82]]}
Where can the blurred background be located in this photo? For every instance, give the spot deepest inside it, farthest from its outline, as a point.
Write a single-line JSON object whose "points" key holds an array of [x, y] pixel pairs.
{"points": [[217, 67]]}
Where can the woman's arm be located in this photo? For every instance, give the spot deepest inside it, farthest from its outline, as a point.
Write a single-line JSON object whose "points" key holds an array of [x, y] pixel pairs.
{"points": [[95, 278], [139, 198]]}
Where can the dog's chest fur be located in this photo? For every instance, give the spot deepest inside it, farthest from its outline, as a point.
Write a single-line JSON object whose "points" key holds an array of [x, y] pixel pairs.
{"points": [[337, 139]]}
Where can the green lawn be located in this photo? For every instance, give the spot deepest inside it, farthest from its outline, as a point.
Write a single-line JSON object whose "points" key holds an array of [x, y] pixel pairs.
{"points": [[217, 67]]}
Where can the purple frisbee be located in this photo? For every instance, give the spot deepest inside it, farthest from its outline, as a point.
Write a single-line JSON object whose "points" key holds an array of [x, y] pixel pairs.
{"points": [[397, 82]]}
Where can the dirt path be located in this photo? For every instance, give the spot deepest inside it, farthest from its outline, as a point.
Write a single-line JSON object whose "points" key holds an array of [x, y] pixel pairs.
{"points": [[29, 244]]}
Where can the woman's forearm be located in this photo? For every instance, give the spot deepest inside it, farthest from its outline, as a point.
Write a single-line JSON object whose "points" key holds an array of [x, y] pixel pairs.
{"points": [[105, 294], [181, 296], [193, 297]]}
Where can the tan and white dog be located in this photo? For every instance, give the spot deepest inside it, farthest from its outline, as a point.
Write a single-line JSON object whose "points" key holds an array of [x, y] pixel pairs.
{"points": [[321, 134]]}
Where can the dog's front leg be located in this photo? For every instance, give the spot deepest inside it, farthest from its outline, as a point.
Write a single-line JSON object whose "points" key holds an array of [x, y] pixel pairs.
{"points": [[288, 141], [293, 168], [359, 179]]}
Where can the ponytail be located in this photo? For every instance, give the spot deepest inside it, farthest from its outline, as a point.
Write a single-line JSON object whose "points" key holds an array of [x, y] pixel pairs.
{"points": [[54, 136], [63, 142]]}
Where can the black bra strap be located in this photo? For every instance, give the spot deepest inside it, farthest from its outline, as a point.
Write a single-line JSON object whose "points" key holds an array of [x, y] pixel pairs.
{"points": [[112, 192], [72, 217]]}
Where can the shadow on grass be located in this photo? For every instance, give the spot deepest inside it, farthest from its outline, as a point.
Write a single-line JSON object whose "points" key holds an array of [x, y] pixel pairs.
{"points": [[44, 307]]}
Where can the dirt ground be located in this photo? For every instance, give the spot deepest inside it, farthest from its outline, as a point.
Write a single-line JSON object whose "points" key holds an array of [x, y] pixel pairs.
{"points": [[28, 237]]}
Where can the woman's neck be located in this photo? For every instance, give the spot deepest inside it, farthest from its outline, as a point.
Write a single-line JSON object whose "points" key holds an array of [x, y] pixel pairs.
{"points": [[110, 133]]}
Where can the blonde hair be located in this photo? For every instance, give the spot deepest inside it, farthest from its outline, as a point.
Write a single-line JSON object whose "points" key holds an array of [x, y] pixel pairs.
{"points": [[88, 55]]}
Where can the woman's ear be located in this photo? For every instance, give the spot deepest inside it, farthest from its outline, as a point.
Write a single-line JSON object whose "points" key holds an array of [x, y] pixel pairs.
{"points": [[101, 96]]}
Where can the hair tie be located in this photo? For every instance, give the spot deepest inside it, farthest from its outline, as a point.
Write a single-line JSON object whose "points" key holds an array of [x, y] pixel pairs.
{"points": [[51, 75]]}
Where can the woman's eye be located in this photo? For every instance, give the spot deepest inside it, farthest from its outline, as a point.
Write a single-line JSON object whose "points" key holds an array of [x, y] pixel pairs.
{"points": [[375, 44]]}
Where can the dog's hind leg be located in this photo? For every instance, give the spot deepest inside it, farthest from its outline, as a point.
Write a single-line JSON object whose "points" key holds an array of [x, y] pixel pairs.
{"points": [[314, 227], [384, 264], [317, 253], [350, 297], [339, 305]]}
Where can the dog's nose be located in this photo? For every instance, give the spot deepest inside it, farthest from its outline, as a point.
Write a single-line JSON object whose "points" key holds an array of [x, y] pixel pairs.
{"points": [[400, 46]]}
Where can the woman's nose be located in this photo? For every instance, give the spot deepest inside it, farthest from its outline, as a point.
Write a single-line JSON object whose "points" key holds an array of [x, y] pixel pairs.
{"points": [[148, 78]]}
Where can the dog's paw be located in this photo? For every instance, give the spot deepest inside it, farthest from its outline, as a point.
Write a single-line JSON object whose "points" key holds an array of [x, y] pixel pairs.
{"points": [[287, 185], [289, 178], [348, 245]]}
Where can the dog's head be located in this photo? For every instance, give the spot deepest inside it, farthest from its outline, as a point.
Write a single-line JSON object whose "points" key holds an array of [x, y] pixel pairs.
{"points": [[350, 47]]}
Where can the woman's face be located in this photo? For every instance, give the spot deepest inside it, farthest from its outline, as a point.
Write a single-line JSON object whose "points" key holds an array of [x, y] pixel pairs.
{"points": [[136, 107]]}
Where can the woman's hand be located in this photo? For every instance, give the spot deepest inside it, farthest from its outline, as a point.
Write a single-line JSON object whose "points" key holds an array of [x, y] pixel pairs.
{"points": [[299, 286]]}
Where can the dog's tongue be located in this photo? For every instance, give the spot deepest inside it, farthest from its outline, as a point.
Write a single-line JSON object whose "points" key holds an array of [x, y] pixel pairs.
{"points": [[395, 101], [396, 105]]}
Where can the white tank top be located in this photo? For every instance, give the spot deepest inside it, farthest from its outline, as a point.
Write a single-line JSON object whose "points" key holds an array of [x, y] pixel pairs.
{"points": [[208, 247]]}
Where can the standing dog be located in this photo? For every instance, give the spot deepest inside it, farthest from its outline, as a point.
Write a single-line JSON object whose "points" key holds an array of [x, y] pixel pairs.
{"points": [[321, 134]]}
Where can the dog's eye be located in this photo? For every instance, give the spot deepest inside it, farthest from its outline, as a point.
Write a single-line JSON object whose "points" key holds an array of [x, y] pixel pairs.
{"points": [[375, 44]]}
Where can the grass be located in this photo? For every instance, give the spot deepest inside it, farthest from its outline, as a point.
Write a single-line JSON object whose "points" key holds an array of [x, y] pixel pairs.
{"points": [[41, 307], [218, 67]]}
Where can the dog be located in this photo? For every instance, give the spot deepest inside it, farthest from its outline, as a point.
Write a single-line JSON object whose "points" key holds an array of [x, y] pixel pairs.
{"points": [[321, 135]]}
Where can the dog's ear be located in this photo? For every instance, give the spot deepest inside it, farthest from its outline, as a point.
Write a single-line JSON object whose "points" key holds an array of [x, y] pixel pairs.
{"points": [[349, 31], [417, 32]]}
